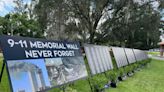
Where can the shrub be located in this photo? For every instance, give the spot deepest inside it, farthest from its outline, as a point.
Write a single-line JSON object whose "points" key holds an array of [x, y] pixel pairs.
{"points": [[129, 68], [121, 72], [135, 66], [98, 81], [113, 75]]}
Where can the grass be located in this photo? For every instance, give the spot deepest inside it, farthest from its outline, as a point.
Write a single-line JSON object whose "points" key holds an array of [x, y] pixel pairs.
{"points": [[154, 53], [149, 79], [4, 85]]}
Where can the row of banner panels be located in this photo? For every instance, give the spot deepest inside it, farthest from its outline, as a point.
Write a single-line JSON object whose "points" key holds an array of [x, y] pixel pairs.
{"points": [[125, 56], [99, 58], [44, 64]]}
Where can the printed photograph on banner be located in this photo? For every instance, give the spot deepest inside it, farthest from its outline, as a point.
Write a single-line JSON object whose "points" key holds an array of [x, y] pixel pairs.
{"points": [[28, 75], [66, 69]]}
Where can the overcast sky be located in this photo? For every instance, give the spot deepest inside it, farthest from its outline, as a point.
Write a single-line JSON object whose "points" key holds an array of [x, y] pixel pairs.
{"points": [[7, 6]]}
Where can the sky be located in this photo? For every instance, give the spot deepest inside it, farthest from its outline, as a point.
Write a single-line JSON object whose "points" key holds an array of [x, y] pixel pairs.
{"points": [[7, 6], [21, 77]]}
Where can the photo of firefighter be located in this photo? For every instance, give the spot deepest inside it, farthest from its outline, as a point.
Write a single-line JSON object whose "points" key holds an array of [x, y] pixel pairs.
{"points": [[66, 69], [28, 75]]}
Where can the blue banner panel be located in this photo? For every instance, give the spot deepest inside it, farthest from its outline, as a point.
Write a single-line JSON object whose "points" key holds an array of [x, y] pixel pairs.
{"points": [[17, 48], [42, 64]]}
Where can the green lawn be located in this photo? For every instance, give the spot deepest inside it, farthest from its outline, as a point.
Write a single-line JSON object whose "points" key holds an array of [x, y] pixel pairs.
{"points": [[154, 53], [4, 85], [149, 79]]}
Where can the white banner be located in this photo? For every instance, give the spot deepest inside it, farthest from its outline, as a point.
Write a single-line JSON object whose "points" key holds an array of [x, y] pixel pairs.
{"points": [[120, 56], [99, 58], [130, 55]]}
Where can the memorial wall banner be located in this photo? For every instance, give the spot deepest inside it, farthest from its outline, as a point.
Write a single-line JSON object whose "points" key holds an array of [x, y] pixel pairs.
{"points": [[16, 48], [99, 58], [130, 55], [38, 64], [120, 56]]}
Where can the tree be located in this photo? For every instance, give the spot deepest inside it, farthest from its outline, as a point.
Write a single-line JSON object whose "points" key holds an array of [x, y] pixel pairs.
{"points": [[137, 28], [21, 22], [115, 22], [53, 17], [88, 15]]}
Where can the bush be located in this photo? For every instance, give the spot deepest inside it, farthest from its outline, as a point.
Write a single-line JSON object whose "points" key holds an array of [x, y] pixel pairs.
{"points": [[129, 68], [121, 72], [113, 75], [98, 81], [144, 62], [135, 66]]}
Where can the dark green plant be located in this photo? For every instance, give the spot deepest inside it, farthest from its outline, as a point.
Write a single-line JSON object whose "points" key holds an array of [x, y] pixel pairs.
{"points": [[143, 62], [135, 65], [98, 81], [121, 72], [114, 63], [128, 68], [113, 75]]}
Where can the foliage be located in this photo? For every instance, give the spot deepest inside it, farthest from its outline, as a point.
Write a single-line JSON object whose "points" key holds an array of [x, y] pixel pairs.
{"points": [[128, 69], [113, 75], [17, 24], [20, 22], [98, 81], [135, 66], [117, 22], [138, 24], [147, 61], [121, 71], [54, 18], [114, 63]]}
